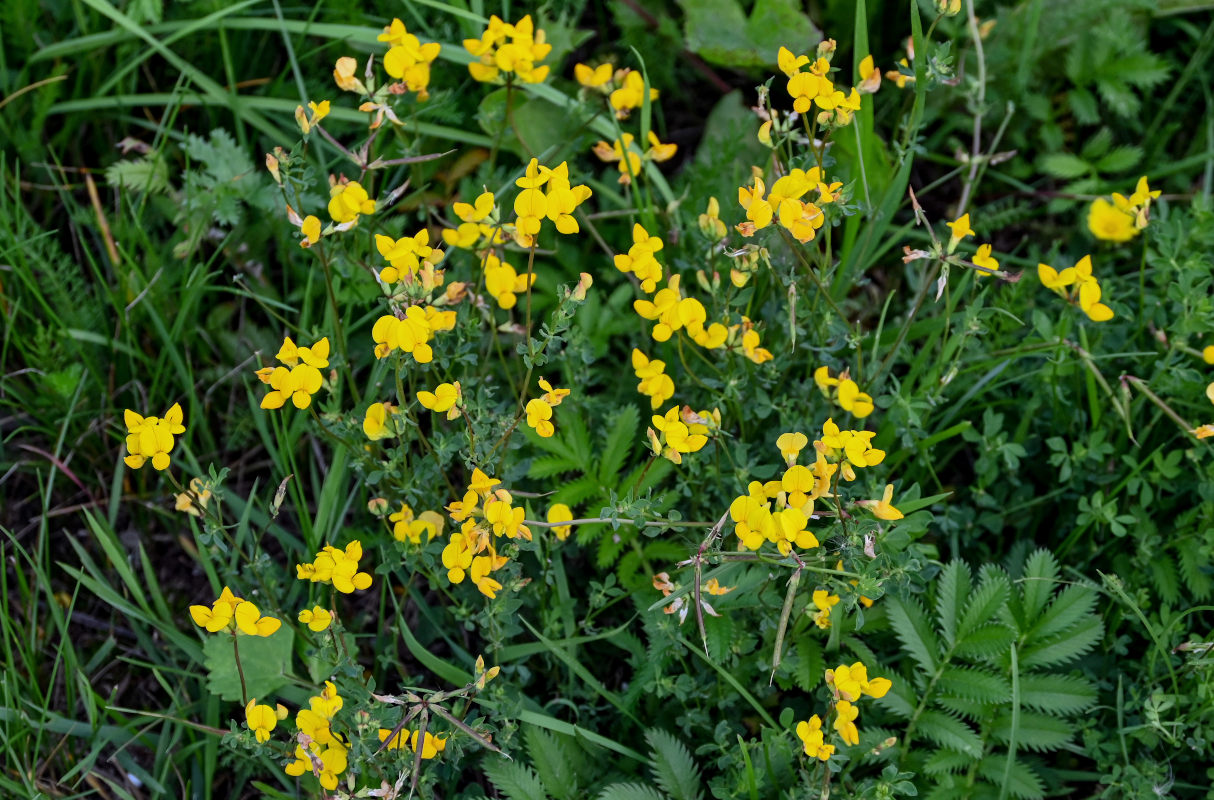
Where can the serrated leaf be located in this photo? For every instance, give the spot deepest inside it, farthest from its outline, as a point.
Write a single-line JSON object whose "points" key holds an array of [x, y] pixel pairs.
{"points": [[952, 593], [264, 659], [1022, 782], [1097, 145], [1120, 159], [963, 707], [514, 779], [1056, 694], [672, 765], [620, 441], [1039, 732], [573, 493], [901, 699], [985, 603], [944, 762], [1063, 647], [974, 684], [1191, 564], [987, 642], [719, 633], [548, 466], [630, 791], [1038, 582], [1070, 606], [951, 733], [1063, 165], [811, 666], [555, 759], [149, 175], [913, 628]]}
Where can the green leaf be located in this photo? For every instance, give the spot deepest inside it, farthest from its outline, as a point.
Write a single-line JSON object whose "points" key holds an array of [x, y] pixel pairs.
{"points": [[1056, 694], [149, 175], [264, 659], [912, 626], [1120, 159], [811, 666], [1063, 165], [555, 760], [1063, 647], [720, 32], [630, 791], [1022, 781], [516, 781], [986, 601], [986, 642], [548, 466], [719, 632], [620, 441], [1039, 732], [974, 684], [1070, 607], [672, 765], [951, 733], [1038, 583], [952, 592]]}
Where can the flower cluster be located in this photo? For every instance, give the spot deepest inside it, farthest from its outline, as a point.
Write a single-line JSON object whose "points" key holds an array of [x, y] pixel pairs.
{"points": [[232, 613], [848, 685], [556, 203], [261, 720], [784, 205], [431, 745], [407, 59], [299, 378], [470, 551], [409, 528], [511, 49], [503, 282], [1086, 289], [1121, 218], [813, 87], [325, 754], [407, 256], [347, 201], [823, 601], [152, 437], [785, 525], [655, 383], [412, 332], [640, 259], [843, 391], [629, 157], [317, 618], [681, 431], [478, 222], [337, 567], [539, 409]]}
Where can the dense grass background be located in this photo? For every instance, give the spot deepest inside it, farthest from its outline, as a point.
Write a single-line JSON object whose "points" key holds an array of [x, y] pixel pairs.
{"points": [[118, 299]]}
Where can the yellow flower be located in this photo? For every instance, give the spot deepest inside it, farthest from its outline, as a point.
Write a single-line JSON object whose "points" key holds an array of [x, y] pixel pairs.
{"points": [[296, 381], [1207, 354], [883, 508], [845, 722], [960, 228], [850, 683], [260, 719], [655, 383], [640, 259], [317, 618], [812, 739], [431, 745], [375, 423], [504, 47], [343, 75], [250, 621], [406, 256], [152, 437], [559, 512], [630, 95], [853, 400], [596, 78], [870, 76], [337, 567], [791, 444], [198, 492], [409, 60], [1204, 431], [410, 335], [984, 260], [219, 616], [824, 601], [311, 231], [539, 416], [446, 398], [347, 201], [1110, 223], [710, 221]]}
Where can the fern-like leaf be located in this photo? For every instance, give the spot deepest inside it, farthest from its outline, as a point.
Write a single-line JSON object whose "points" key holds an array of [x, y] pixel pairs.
{"points": [[1022, 782], [986, 601], [630, 791], [975, 684], [672, 765], [1056, 694], [1068, 608], [514, 780], [1065, 646], [619, 443], [949, 732], [952, 594], [913, 628], [987, 642], [1199, 584], [1034, 731], [1040, 575], [556, 760]]}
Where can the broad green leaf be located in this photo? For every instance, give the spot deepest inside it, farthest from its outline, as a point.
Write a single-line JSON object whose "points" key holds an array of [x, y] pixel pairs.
{"points": [[265, 661]]}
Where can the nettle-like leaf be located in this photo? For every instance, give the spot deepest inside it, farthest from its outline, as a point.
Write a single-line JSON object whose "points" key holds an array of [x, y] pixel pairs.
{"points": [[630, 791], [963, 666], [672, 765], [514, 780]]}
